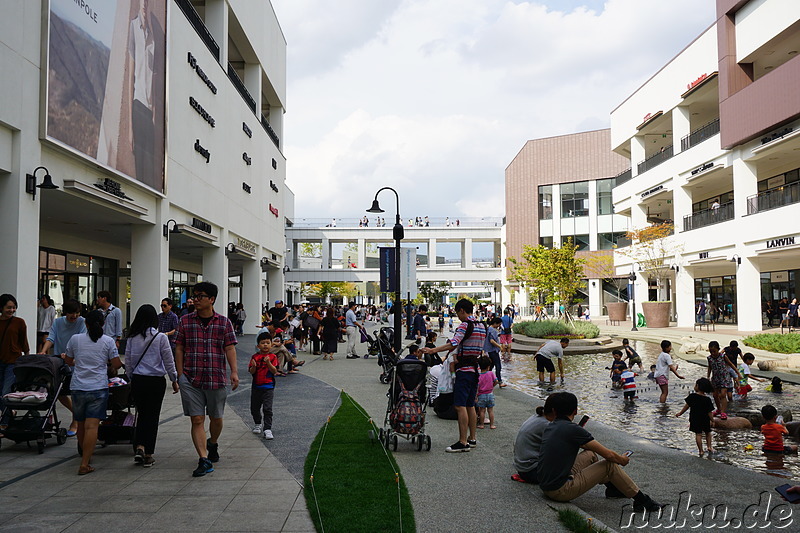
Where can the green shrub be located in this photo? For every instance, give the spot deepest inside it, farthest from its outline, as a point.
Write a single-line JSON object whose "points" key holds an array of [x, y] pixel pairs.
{"points": [[774, 342], [541, 329]]}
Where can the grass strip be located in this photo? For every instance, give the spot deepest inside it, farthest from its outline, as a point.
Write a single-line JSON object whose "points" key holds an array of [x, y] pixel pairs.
{"points": [[575, 521], [354, 479]]}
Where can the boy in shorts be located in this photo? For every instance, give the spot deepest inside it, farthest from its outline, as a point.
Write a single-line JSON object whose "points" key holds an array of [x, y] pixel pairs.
{"points": [[631, 355], [664, 365], [544, 359]]}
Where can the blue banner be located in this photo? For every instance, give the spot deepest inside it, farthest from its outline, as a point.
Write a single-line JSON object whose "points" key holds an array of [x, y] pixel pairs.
{"points": [[388, 270]]}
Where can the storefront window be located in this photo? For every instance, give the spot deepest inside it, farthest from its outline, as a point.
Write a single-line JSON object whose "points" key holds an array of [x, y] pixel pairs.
{"points": [[779, 180], [721, 291], [722, 199], [545, 202], [65, 275]]}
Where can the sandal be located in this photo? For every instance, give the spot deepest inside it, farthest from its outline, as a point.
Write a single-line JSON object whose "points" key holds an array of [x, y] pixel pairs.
{"points": [[82, 471], [517, 477], [301, 363], [723, 416]]}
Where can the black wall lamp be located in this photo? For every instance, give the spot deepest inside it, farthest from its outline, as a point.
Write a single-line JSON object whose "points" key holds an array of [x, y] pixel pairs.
{"points": [[175, 230], [735, 259], [47, 182], [230, 248]]}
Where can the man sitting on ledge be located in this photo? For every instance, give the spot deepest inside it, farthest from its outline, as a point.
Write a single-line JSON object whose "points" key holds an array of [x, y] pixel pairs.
{"points": [[563, 476]]}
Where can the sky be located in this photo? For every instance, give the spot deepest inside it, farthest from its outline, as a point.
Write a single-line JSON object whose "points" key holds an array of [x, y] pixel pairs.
{"points": [[435, 97]]}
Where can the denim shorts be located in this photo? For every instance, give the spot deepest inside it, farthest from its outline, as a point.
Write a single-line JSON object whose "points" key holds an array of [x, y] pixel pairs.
{"points": [[485, 400], [89, 404], [465, 388]]}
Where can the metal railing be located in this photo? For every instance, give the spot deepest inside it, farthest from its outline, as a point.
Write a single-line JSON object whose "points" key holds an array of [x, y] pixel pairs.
{"points": [[239, 84], [438, 222], [707, 217], [774, 198], [655, 159], [199, 26], [700, 134], [270, 131], [623, 176]]}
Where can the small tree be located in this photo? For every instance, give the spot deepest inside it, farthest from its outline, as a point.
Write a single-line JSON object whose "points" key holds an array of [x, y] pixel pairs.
{"points": [[323, 290], [434, 291], [601, 266], [556, 274], [652, 248]]}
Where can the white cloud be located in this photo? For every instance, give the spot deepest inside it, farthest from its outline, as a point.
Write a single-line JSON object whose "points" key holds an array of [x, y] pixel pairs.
{"points": [[435, 98]]}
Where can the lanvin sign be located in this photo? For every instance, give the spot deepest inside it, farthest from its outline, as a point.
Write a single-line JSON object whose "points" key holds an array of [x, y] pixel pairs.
{"points": [[779, 243]]}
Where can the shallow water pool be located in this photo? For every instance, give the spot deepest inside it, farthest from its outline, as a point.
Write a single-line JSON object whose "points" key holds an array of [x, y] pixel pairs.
{"points": [[586, 377]]}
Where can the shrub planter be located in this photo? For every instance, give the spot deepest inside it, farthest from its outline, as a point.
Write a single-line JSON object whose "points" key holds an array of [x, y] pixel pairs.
{"points": [[656, 314], [617, 311]]}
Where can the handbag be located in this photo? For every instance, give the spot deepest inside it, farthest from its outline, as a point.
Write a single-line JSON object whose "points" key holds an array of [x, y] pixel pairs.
{"points": [[364, 336]]}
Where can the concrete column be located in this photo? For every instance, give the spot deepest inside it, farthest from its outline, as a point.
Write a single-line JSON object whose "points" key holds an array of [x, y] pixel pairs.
{"points": [[275, 282], [522, 300], [637, 153], [217, 23], [466, 255], [326, 254], [684, 296], [745, 183], [431, 253], [748, 295], [592, 220], [681, 127], [215, 270], [595, 290], [362, 253], [149, 265], [556, 216], [275, 119], [638, 216], [251, 293], [505, 294], [682, 206], [252, 81]]}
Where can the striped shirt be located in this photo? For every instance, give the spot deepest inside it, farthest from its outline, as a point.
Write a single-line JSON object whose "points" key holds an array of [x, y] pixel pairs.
{"points": [[471, 348]]}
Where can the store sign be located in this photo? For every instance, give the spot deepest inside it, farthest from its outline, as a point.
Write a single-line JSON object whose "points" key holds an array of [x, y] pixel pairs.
{"points": [[78, 263], [202, 225], [716, 282], [246, 245], [779, 243], [703, 255], [273, 210], [112, 187], [202, 112], [246, 129], [654, 190], [201, 74], [697, 82], [700, 169], [202, 151], [779, 277]]}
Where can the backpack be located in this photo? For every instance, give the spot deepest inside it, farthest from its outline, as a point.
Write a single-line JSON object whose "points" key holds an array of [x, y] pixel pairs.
{"points": [[407, 417], [311, 322]]}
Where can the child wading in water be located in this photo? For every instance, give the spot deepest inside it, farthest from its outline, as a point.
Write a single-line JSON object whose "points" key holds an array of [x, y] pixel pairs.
{"points": [[720, 375], [664, 365], [744, 371], [773, 432], [631, 355], [486, 382], [700, 413], [618, 366]]}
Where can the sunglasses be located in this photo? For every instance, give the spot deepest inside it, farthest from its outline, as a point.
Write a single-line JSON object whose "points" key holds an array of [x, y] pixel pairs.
{"points": [[164, 305]]}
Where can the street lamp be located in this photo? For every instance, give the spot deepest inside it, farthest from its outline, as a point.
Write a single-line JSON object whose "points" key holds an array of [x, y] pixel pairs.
{"points": [[632, 290], [397, 235]]}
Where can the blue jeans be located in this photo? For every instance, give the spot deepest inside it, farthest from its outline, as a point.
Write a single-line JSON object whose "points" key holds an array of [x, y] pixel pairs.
{"points": [[496, 365], [701, 319], [6, 381]]}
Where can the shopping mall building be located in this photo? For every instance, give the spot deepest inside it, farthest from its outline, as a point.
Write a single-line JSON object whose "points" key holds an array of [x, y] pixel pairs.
{"points": [[713, 142], [159, 125]]}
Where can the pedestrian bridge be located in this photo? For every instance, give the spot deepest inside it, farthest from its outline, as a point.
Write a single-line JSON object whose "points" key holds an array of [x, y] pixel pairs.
{"points": [[468, 252]]}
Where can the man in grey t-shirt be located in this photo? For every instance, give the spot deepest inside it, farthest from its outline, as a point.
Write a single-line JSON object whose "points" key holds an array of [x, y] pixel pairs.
{"points": [[544, 359]]}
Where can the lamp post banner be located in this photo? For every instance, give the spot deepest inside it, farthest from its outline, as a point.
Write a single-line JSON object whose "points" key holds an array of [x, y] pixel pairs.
{"points": [[408, 272], [386, 256]]}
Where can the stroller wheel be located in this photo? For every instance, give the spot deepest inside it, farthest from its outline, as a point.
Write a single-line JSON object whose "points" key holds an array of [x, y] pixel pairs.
{"points": [[420, 442], [394, 443], [386, 440], [61, 436], [427, 443], [40, 446], [381, 435]]}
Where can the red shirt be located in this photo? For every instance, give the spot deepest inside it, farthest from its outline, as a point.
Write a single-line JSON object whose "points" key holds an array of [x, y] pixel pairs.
{"points": [[263, 376], [773, 436], [204, 362]]}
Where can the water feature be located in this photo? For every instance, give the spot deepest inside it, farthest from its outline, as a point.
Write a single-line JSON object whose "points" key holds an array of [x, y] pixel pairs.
{"points": [[586, 377]]}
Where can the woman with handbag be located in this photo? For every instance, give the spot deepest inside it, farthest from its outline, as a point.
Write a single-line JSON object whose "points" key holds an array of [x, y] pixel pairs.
{"points": [[148, 357]]}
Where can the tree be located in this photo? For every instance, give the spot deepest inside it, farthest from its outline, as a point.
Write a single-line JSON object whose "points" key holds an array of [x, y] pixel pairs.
{"points": [[652, 247], [434, 291], [555, 274], [311, 249], [600, 265], [323, 290]]}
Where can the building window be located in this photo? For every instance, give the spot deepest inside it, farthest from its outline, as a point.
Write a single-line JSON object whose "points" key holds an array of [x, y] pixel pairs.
{"points": [[605, 206], [581, 241], [779, 180], [575, 199], [545, 202], [609, 241], [547, 242], [723, 199]]}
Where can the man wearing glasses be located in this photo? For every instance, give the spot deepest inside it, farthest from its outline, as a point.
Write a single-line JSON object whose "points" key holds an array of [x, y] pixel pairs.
{"points": [[204, 343], [168, 322]]}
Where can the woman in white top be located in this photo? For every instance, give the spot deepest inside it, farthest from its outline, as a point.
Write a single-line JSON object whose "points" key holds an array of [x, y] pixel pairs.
{"points": [[148, 357], [46, 314]]}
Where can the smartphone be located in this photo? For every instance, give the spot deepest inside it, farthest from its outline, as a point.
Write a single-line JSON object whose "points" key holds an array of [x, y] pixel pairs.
{"points": [[628, 453], [583, 420], [790, 497]]}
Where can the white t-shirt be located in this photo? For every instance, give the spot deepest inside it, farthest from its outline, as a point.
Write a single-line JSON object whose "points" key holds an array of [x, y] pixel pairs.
{"points": [[662, 365], [91, 361]]}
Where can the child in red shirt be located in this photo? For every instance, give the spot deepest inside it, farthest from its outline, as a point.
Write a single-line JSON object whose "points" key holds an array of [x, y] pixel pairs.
{"points": [[773, 432], [263, 367]]}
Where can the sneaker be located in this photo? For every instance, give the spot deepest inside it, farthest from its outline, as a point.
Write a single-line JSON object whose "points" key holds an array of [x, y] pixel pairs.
{"points": [[213, 451], [138, 456], [204, 467], [457, 447], [148, 461], [258, 429], [472, 443], [643, 502], [268, 434]]}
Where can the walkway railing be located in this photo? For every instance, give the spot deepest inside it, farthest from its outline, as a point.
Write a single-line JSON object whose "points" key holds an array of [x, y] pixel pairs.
{"points": [[437, 222], [199, 26], [774, 198], [700, 134], [239, 84], [655, 159], [707, 217]]}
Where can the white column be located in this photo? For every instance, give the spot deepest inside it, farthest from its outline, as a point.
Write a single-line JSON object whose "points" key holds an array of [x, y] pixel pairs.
{"points": [[592, 222], [682, 206], [275, 281], [252, 81], [556, 217], [326, 254], [745, 183], [251, 293], [637, 153], [362, 253], [522, 300], [466, 256], [431, 253], [595, 298], [748, 295], [149, 265], [215, 270], [681, 126], [216, 19], [505, 294], [684, 296]]}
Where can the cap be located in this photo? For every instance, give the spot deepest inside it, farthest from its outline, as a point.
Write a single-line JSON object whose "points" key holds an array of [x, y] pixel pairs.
{"points": [[278, 331], [278, 302]]}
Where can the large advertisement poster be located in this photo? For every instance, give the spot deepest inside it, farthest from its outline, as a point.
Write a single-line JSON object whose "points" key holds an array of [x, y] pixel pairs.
{"points": [[106, 83]]}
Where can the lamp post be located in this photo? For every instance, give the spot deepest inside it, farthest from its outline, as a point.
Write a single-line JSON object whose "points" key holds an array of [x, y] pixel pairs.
{"points": [[397, 235], [631, 285]]}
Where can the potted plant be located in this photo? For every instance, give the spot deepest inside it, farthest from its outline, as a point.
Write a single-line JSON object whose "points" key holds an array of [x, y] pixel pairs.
{"points": [[600, 265]]}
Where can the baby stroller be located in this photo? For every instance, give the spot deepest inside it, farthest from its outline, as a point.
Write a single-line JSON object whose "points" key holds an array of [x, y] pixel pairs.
{"points": [[384, 345], [405, 414], [120, 422], [37, 385]]}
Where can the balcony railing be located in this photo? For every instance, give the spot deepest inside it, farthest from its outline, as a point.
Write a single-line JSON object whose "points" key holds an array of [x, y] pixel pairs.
{"points": [[199, 26], [774, 198], [237, 82], [700, 134], [655, 159], [707, 217], [623, 176], [270, 131]]}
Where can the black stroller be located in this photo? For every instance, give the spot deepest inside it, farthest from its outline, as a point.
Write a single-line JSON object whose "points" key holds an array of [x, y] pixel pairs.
{"points": [[405, 414], [37, 385], [384, 349], [120, 423]]}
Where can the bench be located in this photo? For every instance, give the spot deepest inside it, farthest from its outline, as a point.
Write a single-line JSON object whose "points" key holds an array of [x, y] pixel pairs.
{"points": [[612, 322], [710, 326]]}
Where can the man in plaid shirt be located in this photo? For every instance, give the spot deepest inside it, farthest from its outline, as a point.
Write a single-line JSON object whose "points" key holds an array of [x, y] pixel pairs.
{"points": [[204, 343]]}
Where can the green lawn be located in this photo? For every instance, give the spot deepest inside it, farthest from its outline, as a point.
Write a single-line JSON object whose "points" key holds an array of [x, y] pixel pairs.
{"points": [[354, 485]]}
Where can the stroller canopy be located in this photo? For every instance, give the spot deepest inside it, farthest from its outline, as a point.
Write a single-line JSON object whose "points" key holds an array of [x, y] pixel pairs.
{"points": [[412, 374], [29, 366]]}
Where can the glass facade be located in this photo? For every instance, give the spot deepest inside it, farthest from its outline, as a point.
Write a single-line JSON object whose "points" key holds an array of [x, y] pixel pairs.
{"points": [[575, 199], [605, 206], [609, 241], [545, 202], [180, 285], [65, 275], [723, 198], [546, 242], [778, 181], [722, 291]]}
